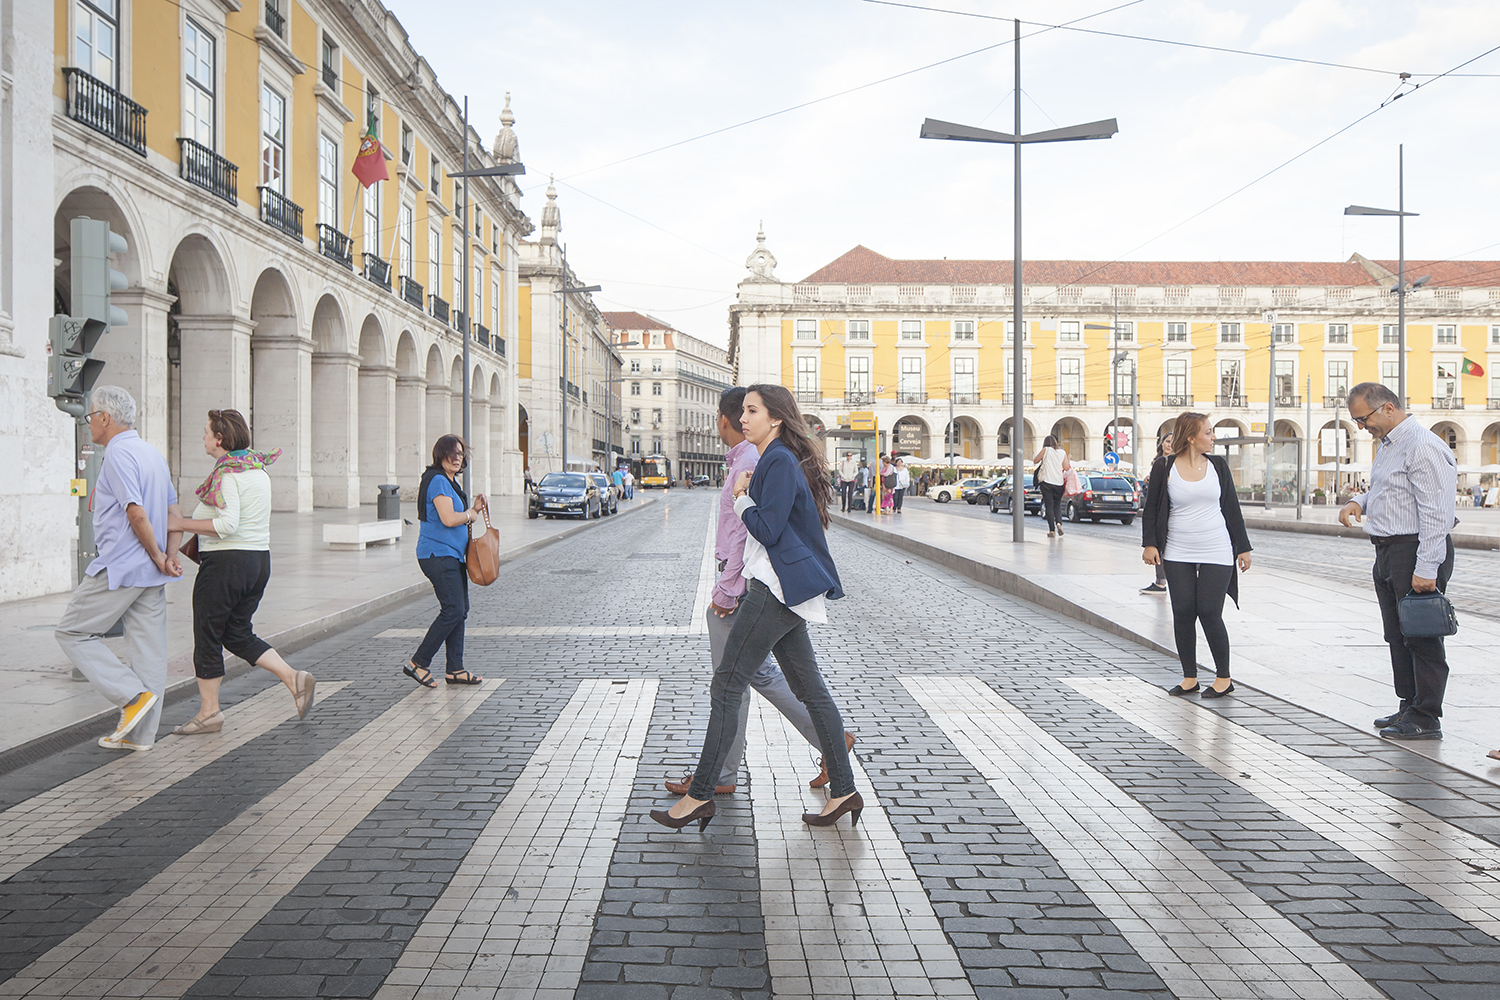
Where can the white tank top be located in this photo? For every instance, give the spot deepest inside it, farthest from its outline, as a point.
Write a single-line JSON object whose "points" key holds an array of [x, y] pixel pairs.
{"points": [[1052, 466], [1196, 532]]}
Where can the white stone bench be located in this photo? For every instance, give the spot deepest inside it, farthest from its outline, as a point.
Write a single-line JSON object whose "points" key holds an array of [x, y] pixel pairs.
{"points": [[354, 537]]}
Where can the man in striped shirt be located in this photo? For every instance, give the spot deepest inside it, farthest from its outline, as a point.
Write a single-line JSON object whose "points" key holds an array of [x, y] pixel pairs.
{"points": [[1408, 513]]}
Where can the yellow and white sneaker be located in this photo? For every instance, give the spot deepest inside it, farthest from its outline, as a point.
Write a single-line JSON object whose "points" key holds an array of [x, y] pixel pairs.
{"points": [[132, 714], [113, 744]]}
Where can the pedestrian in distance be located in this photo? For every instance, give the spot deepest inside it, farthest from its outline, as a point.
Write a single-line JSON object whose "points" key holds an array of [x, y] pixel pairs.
{"points": [[1051, 465], [618, 478], [128, 578], [1407, 511], [903, 482], [1478, 493], [442, 545], [791, 577], [729, 550], [887, 483], [232, 523], [629, 485], [1192, 525], [1159, 585], [848, 476]]}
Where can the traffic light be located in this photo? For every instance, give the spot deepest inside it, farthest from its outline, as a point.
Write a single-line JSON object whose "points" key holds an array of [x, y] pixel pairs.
{"points": [[1109, 442], [71, 370]]}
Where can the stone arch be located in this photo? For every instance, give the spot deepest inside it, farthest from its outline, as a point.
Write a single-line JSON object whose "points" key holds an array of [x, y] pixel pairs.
{"points": [[207, 350], [1451, 433], [377, 410], [280, 380], [411, 414], [439, 392], [922, 431], [1165, 428], [1230, 427], [523, 435], [1073, 436], [964, 439], [1030, 443], [335, 407], [1489, 445], [1288, 428]]}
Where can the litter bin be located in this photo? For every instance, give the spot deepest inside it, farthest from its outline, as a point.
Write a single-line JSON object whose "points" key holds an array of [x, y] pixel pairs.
{"points": [[388, 504]]}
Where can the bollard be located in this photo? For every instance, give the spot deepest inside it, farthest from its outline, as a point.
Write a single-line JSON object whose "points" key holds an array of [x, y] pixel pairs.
{"points": [[388, 504]]}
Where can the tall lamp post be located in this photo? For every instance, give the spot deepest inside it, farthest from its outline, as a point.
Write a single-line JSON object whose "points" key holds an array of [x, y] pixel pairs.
{"points": [[933, 129], [1401, 290]]}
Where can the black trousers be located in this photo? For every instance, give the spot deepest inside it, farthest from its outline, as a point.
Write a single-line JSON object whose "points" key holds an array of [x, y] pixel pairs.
{"points": [[226, 593], [899, 494], [1197, 592], [846, 493], [450, 582], [1051, 499], [1419, 666]]}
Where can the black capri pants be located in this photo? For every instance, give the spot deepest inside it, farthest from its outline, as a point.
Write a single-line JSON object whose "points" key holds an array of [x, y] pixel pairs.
{"points": [[225, 595]]}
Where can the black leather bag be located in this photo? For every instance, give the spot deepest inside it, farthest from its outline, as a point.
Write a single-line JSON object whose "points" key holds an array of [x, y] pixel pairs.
{"points": [[1427, 616]]}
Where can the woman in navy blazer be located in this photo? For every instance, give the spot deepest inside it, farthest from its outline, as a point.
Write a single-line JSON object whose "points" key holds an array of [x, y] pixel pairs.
{"points": [[792, 577]]}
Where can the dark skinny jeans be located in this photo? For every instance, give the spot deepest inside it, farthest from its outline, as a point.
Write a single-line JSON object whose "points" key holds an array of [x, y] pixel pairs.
{"points": [[763, 625], [450, 582], [1051, 499], [1197, 592]]}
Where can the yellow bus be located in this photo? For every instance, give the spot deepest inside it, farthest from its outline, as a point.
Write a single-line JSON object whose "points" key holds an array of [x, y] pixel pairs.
{"points": [[654, 470]]}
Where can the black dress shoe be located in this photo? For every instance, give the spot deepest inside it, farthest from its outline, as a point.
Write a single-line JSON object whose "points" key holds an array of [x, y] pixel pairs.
{"points": [[853, 805], [1405, 730], [1178, 690], [702, 814], [1392, 719], [1210, 692]]}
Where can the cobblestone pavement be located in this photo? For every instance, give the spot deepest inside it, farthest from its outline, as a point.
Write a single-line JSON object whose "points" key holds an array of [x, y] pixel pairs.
{"points": [[1041, 821]]}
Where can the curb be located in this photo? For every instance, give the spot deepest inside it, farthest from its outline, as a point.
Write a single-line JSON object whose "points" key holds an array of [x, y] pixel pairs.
{"points": [[98, 724], [1460, 540]]}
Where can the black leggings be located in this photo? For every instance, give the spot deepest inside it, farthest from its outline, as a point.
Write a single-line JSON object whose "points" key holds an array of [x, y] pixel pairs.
{"points": [[1197, 591], [1051, 498]]}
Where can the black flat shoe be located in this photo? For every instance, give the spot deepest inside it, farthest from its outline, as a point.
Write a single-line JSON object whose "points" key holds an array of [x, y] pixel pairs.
{"points": [[1407, 730], [702, 814], [1178, 691], [463, 677], [1392, 719], [1209, 692], [853, 805], [428, 682]]}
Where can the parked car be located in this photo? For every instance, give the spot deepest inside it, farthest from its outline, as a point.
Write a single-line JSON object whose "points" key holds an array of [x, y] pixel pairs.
{"points": [[609, 500], [944, 492], [981, 494], [702, 481], [1000, 496], [564, 494], [1104, 495]]}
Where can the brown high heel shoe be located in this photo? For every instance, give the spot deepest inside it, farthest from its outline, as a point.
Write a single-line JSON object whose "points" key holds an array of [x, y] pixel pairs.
{"points": [[853, 805], [702, 814], [822, 778]]}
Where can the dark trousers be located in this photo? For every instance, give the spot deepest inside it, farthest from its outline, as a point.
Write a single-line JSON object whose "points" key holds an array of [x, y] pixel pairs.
{"points": [[1197, 592], [763, 625], [226, 593], [1051, 499], [1419, 665], [899, 494], [450, 582], [846, 493]]}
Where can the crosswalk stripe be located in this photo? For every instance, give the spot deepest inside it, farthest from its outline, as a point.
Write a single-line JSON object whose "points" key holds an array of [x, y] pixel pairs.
{"points": [[1202, 931], [494, 631], [828, 895], [519, 912], [1450, 866], [33, 829], [168, 933]]}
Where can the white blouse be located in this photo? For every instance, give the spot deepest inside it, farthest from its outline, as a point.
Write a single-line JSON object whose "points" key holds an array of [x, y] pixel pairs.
{"points": [[758, 567], [1196, 532]]}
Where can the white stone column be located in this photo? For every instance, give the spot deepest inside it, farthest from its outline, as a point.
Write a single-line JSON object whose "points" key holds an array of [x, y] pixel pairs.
{"points": [[498, 451], [215, 375], [479, 445], [439, 413], [335, 430], [135, 357], [377, 430], [283, 416], [413, 452]]}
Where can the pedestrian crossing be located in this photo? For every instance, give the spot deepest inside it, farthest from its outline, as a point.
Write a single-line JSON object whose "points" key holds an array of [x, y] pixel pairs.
{"points": [[844, 911]]}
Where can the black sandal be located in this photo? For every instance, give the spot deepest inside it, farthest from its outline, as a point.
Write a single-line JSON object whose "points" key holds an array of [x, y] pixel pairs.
{"points": [[411, 671], [463, 677]]}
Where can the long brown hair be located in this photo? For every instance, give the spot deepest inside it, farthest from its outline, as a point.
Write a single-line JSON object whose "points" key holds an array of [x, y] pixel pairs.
{"points": [[1186, 427], [782, 406]]}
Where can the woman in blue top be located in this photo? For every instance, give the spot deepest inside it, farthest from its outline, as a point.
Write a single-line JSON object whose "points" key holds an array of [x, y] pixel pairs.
{"points": [[792, 577], [442, 543]]}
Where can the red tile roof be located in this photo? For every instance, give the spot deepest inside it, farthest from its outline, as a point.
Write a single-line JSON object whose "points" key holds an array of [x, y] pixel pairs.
{"points": [[864, 266], [634, 321]]}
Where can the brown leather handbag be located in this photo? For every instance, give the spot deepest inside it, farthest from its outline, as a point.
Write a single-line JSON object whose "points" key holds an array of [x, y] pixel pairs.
{"points": [[483, 555]]}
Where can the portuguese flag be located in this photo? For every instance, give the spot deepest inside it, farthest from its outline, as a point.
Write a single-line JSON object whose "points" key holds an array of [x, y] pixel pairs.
{"points": [[1471, 368], [369, 163]]}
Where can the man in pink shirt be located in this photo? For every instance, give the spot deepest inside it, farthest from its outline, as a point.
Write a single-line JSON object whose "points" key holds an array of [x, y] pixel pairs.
{"points": [[729, 550]]}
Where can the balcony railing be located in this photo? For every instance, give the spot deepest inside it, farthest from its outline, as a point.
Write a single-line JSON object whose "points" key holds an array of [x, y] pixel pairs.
{"points": [[377, 271], [809, 396], [482, 334], [197, 164], [1071, 399], [861, 398], [411, 291], [1447, 402], [1329, 402], [439, 309], [274, 20], [460, 320], [911, 397], [331, 79], [1230, 401], [335, 245], [280, 212], [1288, 400], [1167, 400], [1006, 397], [1494, 404], [964, 398], [500, 345], [104, 109]]}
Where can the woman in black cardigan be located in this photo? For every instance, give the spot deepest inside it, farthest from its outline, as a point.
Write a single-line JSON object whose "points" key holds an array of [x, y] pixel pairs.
{"points": [[1192, 527]]}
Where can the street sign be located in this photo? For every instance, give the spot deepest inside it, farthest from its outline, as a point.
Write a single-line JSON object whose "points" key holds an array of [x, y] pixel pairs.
{"points": [[1111, 459], [908, 437], [862, 420]]}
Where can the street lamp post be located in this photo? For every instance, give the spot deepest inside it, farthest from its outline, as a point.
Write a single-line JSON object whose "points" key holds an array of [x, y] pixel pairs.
{"points": [[933, 129]]}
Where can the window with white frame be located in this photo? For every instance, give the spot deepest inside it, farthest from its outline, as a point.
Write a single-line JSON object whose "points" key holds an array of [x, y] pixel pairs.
{"points": [[1286, 378], [1390, 334], [458, 271], [656, 417], [1177, 334], [1495, 387], [1447, 381], [964, 381], [807, 329], [911, 377], [635, 414], [404, 249], [656, 366], [272, 140], [656, 445], [495, 307], [963, 329], [807, 376], [635, 366], [1338, 379], [1230, 383], [434, 261], [1126, 332], [1070, 377], [1067, 329], [1447, 335], [1495, 336], [1338, 333], [859, 375], [1122, 380], [656, 338], [96, 34], [1177, 379], [911, 329], [635, 388], [1010, 375], [1390, 375], [656, 388], [371, 198], [477, 286], [1229, 333], [328, 180], [859, 329], [1010, 331], [635, 445], [200, 88], [1283, 333]]}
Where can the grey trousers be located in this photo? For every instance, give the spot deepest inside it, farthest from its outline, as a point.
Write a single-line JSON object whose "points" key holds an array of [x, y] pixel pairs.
{"points": [[772, 685], [93, 609]]}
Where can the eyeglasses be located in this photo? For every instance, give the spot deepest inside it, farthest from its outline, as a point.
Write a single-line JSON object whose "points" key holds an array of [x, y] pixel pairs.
{"points": [[89, 416], [1360, 421]]}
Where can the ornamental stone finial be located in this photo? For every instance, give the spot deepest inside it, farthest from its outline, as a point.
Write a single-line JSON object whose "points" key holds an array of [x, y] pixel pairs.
{"points": [[507, 149], [761, 263]]}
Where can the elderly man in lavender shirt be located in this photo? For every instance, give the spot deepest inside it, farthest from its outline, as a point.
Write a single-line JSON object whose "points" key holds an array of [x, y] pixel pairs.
{"points": [[729, 550]]}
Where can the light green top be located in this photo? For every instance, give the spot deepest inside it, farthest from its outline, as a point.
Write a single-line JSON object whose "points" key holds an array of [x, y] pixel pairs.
{"points": [[244, 522]]}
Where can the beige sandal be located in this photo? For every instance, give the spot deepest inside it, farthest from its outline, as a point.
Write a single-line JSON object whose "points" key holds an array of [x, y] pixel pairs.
{"points": [[304, 696], [197, 727]]}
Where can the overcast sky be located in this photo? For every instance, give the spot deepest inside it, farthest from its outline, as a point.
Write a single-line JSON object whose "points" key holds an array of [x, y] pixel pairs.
{"points": [[668, 233]]}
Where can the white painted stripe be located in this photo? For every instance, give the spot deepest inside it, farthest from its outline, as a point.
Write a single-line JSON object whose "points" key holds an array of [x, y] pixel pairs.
{"points": [[1204, 933], [828, 896], [491, 631], [33, 829], [708, 573], [1450, 866], [164, 936], [519, 913]]}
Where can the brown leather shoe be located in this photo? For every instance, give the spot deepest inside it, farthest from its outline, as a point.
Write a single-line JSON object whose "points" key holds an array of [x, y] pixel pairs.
{"points": [[681, 787], [822, 778]]}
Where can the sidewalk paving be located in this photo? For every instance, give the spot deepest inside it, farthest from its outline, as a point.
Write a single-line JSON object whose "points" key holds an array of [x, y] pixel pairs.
{"points": [[1301, 639], [312, 590]]}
